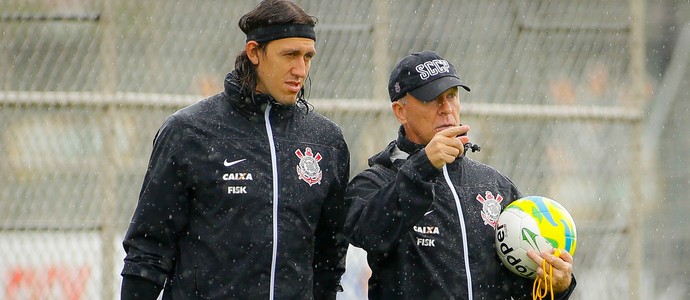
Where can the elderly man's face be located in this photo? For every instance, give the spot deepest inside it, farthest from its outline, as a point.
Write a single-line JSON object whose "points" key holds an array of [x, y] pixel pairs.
{"points": [[422, 120]]}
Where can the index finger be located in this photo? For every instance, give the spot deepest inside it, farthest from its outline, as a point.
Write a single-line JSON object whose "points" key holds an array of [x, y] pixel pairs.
{"points": [[454, 131]]}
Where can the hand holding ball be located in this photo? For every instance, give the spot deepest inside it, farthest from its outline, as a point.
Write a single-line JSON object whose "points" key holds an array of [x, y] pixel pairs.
{"points": [[532, 222]]}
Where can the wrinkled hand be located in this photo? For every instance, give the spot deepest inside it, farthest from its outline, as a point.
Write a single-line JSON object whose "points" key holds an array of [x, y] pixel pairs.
{"points": [[447, 145], [562, 268]]}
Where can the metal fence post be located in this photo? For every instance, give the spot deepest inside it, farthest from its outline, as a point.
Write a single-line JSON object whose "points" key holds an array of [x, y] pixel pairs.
{"points": [[637, 78], [108, 84]]}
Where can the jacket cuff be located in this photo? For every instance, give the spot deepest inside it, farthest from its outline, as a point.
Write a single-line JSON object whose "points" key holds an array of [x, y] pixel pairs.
{"points": [[157, 278], [138, 288]]}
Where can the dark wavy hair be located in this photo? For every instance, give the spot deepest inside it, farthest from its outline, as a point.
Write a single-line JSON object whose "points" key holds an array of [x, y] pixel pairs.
{"points": [[266, 13]]}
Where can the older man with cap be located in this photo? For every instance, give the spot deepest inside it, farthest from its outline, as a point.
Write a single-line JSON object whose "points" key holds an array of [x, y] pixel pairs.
{"points": [[244, 193], [423, 210]]}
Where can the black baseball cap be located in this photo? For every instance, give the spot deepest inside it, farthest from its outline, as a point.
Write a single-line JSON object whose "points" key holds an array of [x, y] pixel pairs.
{"points": [[424, 75]]}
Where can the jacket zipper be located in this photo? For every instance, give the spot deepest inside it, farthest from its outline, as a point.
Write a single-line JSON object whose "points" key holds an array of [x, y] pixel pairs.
{"points": [[274, 169], [464, 231]]}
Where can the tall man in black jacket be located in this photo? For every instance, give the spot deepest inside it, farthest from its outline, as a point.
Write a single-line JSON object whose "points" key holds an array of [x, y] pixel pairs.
{"points": [[244, 193], [425, 213]]}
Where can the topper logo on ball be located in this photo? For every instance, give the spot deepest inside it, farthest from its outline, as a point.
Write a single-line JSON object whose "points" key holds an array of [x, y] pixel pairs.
{"points": [[506, 250]]}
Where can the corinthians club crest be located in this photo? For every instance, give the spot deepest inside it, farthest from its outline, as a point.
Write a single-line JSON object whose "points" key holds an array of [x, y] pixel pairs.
{"points": [[491, 208], [308, 168]]}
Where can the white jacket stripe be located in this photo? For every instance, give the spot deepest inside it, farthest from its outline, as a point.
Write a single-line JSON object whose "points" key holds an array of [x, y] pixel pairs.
{"points": [[464, 232]]}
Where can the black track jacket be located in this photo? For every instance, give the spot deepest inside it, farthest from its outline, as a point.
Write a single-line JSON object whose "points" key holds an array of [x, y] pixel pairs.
{"points": [[429, 233], [243, 199]]}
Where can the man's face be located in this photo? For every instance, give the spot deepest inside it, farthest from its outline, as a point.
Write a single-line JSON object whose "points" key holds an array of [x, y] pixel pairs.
{"points": [[422, 120], [283, 66]]}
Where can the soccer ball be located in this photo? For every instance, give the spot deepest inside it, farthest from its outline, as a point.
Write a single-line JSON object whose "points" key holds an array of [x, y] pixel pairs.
{"points": [[532, 222]]}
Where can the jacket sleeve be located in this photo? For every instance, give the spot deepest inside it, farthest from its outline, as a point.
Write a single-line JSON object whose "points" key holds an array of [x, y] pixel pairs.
{"points": [[522, 289], [161, 213], [330, 245], [386, 204], [138, 288]]}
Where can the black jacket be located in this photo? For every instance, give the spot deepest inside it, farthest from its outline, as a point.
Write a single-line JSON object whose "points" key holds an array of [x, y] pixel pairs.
{"points": [[429, 233], [242, 198]]}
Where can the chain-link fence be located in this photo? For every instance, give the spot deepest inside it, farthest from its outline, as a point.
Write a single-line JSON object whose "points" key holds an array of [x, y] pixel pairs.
{"points": [[556, 104]]}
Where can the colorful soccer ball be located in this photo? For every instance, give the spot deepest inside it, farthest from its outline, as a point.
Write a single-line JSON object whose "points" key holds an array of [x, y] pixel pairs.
{"points": [[532, 222]]}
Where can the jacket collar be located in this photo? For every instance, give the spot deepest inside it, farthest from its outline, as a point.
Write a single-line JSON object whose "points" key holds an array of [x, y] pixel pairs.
{"points": [[249, 103], [386, 157], [406, 145]]}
